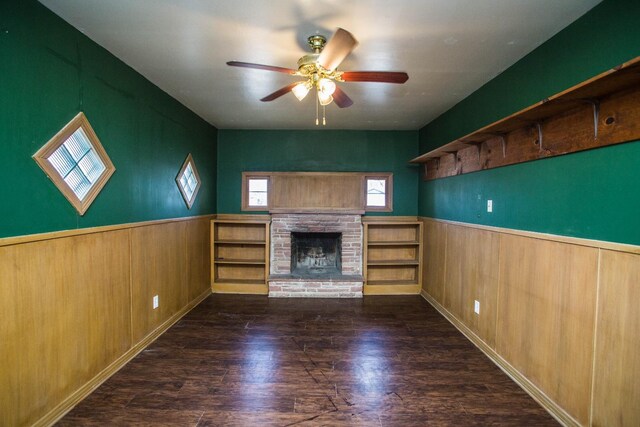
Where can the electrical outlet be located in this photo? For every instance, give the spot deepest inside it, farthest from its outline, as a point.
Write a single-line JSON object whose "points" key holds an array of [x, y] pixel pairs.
{"points": [[476, 307], [489, 205], [156, 302]]}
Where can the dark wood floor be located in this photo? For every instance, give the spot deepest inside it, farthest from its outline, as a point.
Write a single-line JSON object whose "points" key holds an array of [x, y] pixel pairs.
{"points": [[248, 360]]}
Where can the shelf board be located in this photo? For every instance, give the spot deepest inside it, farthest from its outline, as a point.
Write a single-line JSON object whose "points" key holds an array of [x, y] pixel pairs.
{"points": [[239, 261], [409, 262], [241, 281], [393, 243], [391, 282], [619, 79], [240, 242]]}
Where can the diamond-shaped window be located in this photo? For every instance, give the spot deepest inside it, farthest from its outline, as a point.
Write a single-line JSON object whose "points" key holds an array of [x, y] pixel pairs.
{"points": [[76, 163], [188, 181]]}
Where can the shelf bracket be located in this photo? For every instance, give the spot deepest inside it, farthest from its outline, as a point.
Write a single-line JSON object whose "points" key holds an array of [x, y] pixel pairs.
{"points": [[539, 126], [596, 115], [504, 145]]}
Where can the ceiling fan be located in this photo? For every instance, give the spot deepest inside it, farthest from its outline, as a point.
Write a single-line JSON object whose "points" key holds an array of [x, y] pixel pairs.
{"points": [[319, 70]]}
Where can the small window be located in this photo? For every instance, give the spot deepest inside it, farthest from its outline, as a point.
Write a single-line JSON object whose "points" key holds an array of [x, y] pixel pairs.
{"points": [[378, 193], [76, 163], [188, 181], [255, 192]]}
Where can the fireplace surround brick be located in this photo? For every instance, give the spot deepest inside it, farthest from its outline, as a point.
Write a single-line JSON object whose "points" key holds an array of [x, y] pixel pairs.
{"points": [[282, 225]]}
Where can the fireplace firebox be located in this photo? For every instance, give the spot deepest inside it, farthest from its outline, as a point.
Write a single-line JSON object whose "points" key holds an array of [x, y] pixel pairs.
{"points": [[316, 254]]}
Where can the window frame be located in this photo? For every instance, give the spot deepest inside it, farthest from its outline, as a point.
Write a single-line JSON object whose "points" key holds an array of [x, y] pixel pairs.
{"points": [[246, 177], [388, 178], [187, 161], [42, 156]]}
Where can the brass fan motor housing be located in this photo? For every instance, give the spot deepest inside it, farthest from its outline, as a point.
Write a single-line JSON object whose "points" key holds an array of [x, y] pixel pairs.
{"points": [[308, 64]]}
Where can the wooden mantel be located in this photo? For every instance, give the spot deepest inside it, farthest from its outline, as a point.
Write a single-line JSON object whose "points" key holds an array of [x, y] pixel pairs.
{"points": [[601, 111]]}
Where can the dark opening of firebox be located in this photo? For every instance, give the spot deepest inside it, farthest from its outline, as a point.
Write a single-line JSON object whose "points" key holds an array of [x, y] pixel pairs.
{"points": [[316, 254]]}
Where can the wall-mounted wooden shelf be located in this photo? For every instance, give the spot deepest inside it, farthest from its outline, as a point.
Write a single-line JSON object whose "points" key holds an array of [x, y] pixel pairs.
{"points": [[392, 257], [601, 111], [240, 255]]}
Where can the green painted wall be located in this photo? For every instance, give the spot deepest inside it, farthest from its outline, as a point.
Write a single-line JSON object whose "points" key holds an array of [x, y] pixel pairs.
{"points": [[594, 194], [48, 73], [325, 150]]}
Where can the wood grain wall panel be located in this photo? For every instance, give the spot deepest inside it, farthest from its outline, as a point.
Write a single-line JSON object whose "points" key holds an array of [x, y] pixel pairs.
{"points": [[199, 257], [317, 191], [435, 241], [471, 273], [158, 267], [65, 303], [616, 393], [546, 312]]}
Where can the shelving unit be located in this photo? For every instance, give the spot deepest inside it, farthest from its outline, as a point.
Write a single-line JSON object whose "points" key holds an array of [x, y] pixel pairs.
{"points": [[392, 257], [598, 112], [239, 256]]}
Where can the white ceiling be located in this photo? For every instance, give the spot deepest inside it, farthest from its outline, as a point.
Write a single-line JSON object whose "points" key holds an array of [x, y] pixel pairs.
{"points": [[449, 48]]}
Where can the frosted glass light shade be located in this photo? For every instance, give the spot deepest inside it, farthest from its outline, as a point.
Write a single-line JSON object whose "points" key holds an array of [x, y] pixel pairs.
{"points": [[301, 90], [327, 86], [323, 98]]}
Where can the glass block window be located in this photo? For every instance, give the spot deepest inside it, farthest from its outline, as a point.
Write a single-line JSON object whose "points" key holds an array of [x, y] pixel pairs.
{"points": [[188, 181], [378, 192], [76, 163], [255, 191]]}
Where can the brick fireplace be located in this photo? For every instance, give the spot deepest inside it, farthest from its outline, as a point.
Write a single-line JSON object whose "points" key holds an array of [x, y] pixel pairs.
{"points": [[319, 268]]}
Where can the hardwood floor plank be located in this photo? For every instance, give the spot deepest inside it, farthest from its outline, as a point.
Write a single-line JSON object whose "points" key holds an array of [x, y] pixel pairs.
{"points": [[243, 360]]}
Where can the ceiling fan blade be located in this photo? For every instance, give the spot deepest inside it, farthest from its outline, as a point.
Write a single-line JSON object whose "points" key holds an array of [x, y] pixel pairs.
{"points": [[375, 76], [341, 99], [261, 67], [277, 94], [337, 48]]}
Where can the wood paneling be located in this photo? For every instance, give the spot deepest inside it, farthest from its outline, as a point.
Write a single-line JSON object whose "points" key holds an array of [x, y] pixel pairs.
{"points": [[66, 313], [307, 190], [158, 267], [617, 361], [64, 310], [198, 257], [546, 313], [471, 273], [435, 241]]}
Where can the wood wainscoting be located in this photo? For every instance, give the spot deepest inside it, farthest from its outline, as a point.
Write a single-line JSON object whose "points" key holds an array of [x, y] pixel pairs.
{"points": [[75, 306], [557, 313]]}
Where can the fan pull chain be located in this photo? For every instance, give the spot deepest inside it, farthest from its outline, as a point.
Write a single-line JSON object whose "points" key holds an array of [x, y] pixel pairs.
{"points": [[324, 116], [317, 103]]}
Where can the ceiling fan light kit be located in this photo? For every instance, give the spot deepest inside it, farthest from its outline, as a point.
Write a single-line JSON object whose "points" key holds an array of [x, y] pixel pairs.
{"points": [[319, 69]]}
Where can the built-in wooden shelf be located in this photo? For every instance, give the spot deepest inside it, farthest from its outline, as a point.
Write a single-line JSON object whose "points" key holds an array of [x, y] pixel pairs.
{"points": [[239, 261], [390, 282], [392, 256], [241, 242], [396, 243], [241, 282], [601, 111], [240, 255], [394, 262]]}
